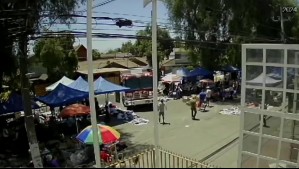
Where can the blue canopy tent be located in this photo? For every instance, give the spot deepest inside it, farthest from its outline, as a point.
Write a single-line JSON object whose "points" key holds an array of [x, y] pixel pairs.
{"points": [[63, 95], [183, 72], [201, 72], [230, 69], [103, 86], [80, 84], [14, 104]]}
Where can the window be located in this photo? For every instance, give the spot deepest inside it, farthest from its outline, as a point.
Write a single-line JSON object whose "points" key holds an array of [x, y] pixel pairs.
{"points": [[293, 57], [254, 55], [250, 143], [274, 56], [274, 77], [252, 122]]}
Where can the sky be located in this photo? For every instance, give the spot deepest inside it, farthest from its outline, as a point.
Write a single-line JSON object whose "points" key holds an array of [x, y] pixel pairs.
{"points": [[128, 9]]}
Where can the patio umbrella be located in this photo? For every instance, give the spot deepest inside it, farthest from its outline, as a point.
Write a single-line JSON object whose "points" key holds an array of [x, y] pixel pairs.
{"points": [[206, 81], [107, 135], [74, 110]]}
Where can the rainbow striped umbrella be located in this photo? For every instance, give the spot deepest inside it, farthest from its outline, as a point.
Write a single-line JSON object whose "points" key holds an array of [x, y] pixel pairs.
{"points": [[107, 135]]}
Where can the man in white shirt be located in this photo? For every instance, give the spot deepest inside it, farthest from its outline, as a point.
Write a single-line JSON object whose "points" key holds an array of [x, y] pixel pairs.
{"points": [[209, 94], [161, 108]]}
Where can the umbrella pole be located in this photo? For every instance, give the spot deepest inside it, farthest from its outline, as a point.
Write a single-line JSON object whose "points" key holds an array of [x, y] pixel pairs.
{"points": [[116, 155], [77, 125]]}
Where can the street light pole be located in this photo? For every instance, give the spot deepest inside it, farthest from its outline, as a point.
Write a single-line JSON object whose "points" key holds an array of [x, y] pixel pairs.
{"points": [[155, 80], [155, 77], [91, 86]]}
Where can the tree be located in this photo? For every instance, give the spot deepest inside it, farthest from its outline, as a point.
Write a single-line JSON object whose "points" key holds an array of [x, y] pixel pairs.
{"points": [[218, 27], [143, 47], [96, 54], [128, 47], [113, 51], [12, 29], [57, 55]]}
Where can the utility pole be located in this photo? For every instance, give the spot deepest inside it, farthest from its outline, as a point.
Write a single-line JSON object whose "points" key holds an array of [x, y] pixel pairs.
{"points": [[282, 26], [29, 119], [91, 86], [281, 20]]}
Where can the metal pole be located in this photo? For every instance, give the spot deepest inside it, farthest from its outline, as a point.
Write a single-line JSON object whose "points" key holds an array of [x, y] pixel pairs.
{"points": [[155, 81], [96, 145]]}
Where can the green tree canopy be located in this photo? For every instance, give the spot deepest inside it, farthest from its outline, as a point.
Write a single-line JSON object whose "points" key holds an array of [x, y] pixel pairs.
{"points": [[57, 55], [128, 47], [96, 54], [143, 47], [12, 26], [219, 27]]}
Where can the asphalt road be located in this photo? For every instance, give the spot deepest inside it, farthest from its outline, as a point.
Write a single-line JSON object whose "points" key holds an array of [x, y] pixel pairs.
{"points": [[195, 139]]}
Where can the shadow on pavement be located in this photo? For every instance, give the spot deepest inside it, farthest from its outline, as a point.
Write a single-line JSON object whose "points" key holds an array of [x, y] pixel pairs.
{"points": [[236, 101], [133, 148], [143, 108]]}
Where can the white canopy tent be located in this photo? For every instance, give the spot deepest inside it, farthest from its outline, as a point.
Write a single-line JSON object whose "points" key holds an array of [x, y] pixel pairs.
{"points": [[260, 79], [169, 78], [64, 80]]}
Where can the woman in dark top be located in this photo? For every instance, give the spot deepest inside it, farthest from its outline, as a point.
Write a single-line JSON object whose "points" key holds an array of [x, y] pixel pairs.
{"points": [[107, 113]]}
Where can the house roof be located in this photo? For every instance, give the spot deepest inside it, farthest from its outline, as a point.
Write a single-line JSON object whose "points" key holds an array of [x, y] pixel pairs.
{"points": [[103, 70], [101, 63], [123, 63], [76, 48], [170, 62], [142, 61], [116, 55]]}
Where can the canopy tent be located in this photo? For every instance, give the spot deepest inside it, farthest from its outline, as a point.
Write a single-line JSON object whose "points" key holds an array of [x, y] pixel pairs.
{"points": [[103, 86], [201, 72], [169, 78], [230, 69], [14, 104], [260, 80], [183, 72], [80, 84], [63, 95], [64, 80]]}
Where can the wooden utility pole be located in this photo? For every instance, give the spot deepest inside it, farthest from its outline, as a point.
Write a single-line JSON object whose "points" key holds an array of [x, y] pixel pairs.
{"points": [[281, 20], [27, 103]]}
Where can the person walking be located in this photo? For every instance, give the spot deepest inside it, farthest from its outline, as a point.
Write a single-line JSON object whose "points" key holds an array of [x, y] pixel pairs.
{"points": [[161, 108], [202, 100], [208, 95], [193, 107]]}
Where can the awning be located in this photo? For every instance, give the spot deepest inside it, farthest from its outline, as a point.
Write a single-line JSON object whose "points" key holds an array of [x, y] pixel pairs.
{"points": [[64, 80]]}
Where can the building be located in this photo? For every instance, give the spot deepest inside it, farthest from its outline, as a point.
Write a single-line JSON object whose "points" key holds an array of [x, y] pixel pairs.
{"points": [[269, 135], [125, 63], [81, 52], [177, 59]]}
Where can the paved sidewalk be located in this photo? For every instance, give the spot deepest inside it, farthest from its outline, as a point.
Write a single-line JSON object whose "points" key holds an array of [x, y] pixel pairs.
{"points": [[195, 139]]}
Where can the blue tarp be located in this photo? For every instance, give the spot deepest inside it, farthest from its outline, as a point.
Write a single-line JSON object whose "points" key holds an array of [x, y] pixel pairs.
{"points": [[103, 86], [183, 72], [230, 69], [201, 72], [80, 84], [14, 104], [62, 96]]}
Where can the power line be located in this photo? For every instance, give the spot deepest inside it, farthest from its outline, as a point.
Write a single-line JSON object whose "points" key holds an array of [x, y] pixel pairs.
{"points": [[100, 4], [171, 31]]}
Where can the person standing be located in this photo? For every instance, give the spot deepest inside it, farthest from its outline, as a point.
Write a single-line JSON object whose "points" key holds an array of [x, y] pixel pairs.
{"points": [[107, 112], [161, 108], [193, 107], [97, 108], [209, 94], [202, 99]]}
